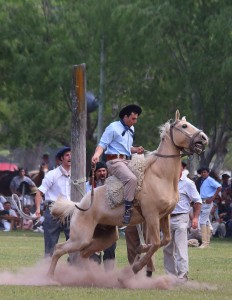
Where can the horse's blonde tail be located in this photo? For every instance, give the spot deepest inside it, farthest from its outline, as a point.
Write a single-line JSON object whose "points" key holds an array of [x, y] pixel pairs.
{"points": [[62, 209]]}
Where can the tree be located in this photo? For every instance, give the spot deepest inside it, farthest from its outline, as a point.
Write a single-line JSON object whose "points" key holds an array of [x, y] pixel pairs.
{"points": [[161, 54]]}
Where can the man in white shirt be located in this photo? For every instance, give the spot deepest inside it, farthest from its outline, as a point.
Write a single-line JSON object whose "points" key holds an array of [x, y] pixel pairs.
{"points": [[2, 199], [56, 184], [176, 252]]}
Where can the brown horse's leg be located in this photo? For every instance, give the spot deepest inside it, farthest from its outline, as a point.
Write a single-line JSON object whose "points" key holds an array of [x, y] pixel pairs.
{"points": [[143, 248], [165, 227]]}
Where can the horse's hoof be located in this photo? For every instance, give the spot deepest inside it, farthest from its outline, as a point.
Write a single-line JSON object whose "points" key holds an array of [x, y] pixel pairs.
{"points": [[136, 268], [124, 276], [121, 282], [50, 275]]}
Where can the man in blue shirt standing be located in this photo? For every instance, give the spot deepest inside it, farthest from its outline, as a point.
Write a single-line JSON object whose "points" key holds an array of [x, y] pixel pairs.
{"points": [[209, 189], [116, 142]]}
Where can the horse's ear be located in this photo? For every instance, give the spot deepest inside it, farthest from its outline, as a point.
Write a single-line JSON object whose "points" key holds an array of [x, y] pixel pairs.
{"points": [[177, 115]]}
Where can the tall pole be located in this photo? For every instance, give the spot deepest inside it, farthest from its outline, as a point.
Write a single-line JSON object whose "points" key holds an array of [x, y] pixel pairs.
{"points": [[101, 92], [78, 132]]}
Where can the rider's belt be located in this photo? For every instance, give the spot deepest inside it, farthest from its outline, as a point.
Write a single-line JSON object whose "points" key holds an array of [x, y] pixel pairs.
{"points": [[116, 156], [176, 215]]}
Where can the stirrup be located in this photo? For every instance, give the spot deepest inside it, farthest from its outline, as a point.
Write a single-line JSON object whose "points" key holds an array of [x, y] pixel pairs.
{"points": [[127, 217]]}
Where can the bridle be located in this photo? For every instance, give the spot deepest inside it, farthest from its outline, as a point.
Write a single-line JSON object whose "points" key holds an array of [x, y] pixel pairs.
{"points": [[184, 152]]}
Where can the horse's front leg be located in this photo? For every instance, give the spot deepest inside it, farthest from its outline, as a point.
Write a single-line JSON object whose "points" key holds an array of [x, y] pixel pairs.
{"points": [[154, 236], [165, 228]]}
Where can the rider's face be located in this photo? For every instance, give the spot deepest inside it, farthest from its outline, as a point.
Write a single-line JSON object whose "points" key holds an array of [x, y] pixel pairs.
{"points": [[131, 119]]}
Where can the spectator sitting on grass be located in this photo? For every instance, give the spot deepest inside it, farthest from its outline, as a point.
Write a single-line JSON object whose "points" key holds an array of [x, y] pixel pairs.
{"points": [[27, 224], [9, 218]]}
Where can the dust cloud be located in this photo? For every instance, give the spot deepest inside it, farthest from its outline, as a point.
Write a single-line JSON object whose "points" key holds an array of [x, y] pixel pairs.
{"points": [[91, 274]]}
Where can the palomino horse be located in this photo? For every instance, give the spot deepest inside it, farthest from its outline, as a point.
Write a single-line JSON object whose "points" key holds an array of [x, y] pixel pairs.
{"points": [[95, 229]]}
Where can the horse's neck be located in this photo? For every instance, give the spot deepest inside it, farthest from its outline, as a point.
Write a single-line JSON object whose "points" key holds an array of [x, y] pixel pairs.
{"points": [[166, 147], [168, 166]]}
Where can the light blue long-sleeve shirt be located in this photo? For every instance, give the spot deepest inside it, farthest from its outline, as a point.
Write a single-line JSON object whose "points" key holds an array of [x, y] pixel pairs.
{"points": [[209, 187], [113, 142]]}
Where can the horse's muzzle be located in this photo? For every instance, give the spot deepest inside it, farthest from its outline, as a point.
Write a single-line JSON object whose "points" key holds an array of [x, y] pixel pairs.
{"points": [[198, 148], [200, 142]]}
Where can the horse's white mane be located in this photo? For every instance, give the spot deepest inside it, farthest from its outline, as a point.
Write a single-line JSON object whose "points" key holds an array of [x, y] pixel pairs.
{"points": [[164, 128]]}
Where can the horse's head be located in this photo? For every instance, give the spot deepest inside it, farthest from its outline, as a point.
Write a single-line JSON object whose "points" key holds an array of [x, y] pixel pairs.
{"points": [[187, 137], [44, 168]]}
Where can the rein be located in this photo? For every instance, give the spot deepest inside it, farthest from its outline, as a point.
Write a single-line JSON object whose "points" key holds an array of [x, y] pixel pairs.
{"points": [[169, 155], [93, 167]]}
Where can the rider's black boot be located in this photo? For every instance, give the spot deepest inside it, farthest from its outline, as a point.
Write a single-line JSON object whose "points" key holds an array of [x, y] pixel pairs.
{"points": [[128, 212]]}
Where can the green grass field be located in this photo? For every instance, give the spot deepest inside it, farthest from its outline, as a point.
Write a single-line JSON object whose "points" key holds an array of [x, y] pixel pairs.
{"points": [[210, 273]]}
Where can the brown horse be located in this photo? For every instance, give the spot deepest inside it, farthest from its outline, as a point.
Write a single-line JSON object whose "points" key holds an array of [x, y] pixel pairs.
{"points": [[5, 180], [95, 229], [38, 175]]}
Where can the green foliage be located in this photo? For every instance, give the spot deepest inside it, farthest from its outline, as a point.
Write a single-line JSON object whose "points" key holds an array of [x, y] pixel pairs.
{"points": [[164, 55]]}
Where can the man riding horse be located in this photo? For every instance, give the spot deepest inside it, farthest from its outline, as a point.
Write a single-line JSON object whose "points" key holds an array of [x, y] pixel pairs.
{"points": [[117, 141]]}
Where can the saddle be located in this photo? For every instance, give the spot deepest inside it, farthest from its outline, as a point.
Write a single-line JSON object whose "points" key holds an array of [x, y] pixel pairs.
{"points": [[115, 188]]}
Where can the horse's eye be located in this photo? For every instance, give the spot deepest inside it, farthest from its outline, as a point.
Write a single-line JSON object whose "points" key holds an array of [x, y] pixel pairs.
{"points": [[184, 126]]}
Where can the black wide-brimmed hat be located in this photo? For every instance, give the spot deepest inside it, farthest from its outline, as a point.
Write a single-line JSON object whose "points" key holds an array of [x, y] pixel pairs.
{"points": [[62, 151], [127, 110]]}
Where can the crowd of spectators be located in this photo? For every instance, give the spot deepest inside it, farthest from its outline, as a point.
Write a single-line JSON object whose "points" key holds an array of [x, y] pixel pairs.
{"points": [[221, 212], [14, 217], [10, 219]]}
